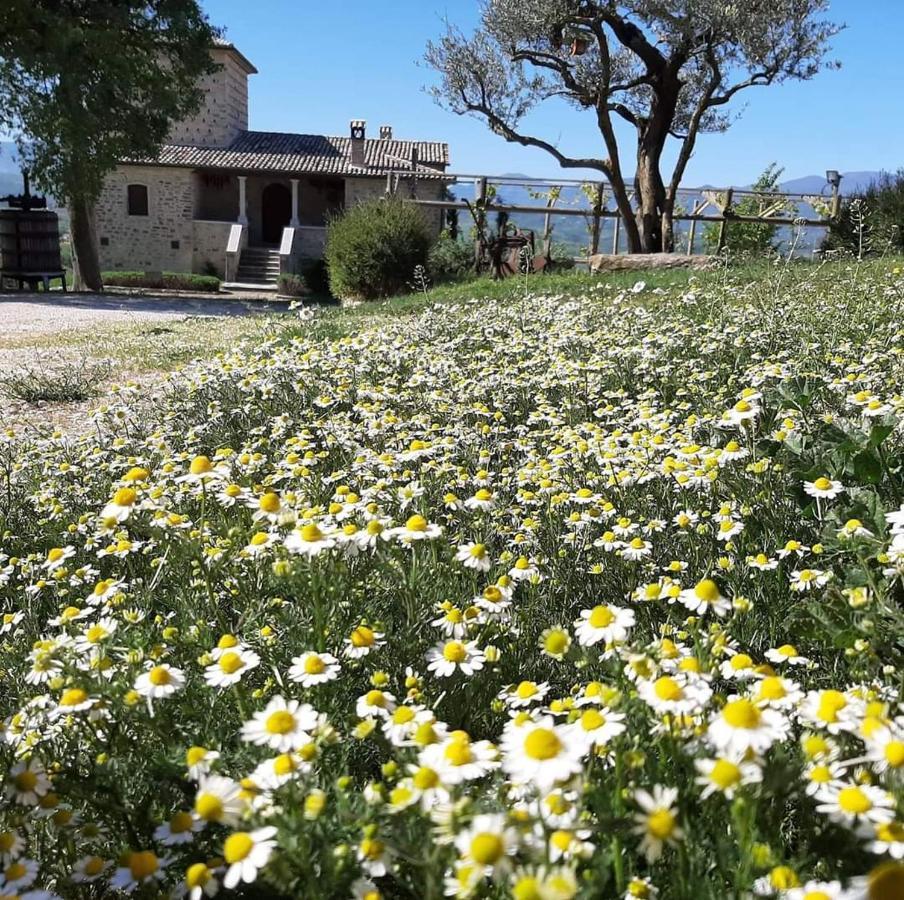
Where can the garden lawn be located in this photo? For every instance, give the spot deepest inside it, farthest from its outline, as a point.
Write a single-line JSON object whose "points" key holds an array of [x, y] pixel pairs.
{"points": [[565, 588]]}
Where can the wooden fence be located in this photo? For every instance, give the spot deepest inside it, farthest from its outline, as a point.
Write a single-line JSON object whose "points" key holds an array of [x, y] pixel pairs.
{"points": [[706, 205]]}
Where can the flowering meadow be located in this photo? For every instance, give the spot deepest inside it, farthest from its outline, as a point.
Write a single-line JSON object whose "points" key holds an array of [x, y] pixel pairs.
{"points": [[595, 594]]}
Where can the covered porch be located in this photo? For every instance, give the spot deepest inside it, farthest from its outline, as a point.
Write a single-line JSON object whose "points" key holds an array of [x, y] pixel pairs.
{"points": [[267, 204], [252, 227]]}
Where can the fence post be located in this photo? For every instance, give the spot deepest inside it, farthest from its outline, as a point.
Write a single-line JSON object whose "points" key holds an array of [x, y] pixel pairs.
{"points": [[692, 232], [595, 228], [480, 201], [724, 223], [615, 233]]}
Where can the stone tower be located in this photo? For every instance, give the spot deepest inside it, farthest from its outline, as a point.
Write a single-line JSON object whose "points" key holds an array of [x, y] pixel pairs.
{"points": [[224, 112]]}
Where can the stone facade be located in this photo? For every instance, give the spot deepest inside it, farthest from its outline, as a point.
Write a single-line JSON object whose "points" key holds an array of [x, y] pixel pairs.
{"points": [[360, 189], [163, 240], [225, 110], [209, 251]]}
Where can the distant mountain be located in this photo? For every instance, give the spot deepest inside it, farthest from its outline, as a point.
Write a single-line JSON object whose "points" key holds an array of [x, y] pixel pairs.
{"points": [[851, 183]]}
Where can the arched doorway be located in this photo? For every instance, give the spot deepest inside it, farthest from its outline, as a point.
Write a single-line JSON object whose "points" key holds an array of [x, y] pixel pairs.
{"points": [[276, 212]]}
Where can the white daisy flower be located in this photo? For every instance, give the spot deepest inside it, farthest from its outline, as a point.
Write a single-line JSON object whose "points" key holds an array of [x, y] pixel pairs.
{"points": [[606, 623], [741, 726], [447, 658], [657, 822], [312, 668], [160, 681], [246, 853], [282, 725], [540, 753], [230, 667]]}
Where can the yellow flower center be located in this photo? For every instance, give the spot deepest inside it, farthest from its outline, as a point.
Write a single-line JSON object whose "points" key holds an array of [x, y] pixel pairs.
{"points": [[143, 864], [73, 697], [830, 703], [667, 688], [592, 719], [93, 866], [486, 848], [601, 617], [526, 690], [542, 744], [853, 800], [375, 698], [741, 661], [416, 523], [425, 778], [314, 665], [403, 715], [200, 465], [209, 807], [311, 533], [280, 722], [56, 554], [458, 753], [707, 590], [725, 774], [661, 824], [160, 676], [230, 663], [822, 484], [237, 847], [125, 497], [270, 503], [26, 781], [741, 714], [886, 881], [180, 823], [197, 875], [894, 753], [772, 688], [95, 634], [362, 636], [455, 652]]}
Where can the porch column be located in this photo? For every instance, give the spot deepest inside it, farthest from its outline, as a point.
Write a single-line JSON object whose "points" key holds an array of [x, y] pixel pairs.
{"points": [[295, 220], [243, 208]]}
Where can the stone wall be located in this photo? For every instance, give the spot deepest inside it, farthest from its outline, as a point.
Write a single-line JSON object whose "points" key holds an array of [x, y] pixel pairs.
{"points": [[210, 239], [161, 240], [225, 109]]}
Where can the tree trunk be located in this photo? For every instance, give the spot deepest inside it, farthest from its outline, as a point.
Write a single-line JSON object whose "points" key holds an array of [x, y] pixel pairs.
{"points": [[84, 247], [654, 214], [668, 225]]}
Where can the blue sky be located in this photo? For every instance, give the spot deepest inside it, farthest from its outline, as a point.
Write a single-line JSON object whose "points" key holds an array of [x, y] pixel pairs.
{"points": [[322, 64]]}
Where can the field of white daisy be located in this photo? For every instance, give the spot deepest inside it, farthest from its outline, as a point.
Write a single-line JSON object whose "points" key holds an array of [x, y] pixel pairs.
{"points": [[589, 592]]}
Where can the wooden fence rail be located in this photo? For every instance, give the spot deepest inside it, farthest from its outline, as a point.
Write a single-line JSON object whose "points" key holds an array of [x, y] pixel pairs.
{"points": [[720, 200]]}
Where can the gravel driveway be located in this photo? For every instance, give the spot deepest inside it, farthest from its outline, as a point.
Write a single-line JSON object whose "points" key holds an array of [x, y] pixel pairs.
{"points": [[131, 337]]}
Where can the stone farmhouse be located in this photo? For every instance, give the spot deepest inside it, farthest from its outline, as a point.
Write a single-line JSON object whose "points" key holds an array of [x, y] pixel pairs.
{"points": [[249, 205]]}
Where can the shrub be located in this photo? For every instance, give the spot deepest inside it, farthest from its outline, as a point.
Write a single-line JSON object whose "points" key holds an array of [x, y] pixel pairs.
{"points": [[450, 259], [174, 281], [372, 250], [871, 221], [316, 277], [292, 285]]}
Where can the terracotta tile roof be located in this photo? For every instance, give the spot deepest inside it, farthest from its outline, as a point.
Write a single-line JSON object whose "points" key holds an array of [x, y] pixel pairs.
{"points": [[269, 151]]}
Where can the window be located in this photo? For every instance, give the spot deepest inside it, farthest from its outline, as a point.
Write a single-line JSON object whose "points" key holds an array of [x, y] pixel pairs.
{"points": [[137, 199]]}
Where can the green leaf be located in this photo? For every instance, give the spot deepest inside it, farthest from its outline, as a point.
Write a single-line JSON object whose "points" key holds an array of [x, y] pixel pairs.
{"points": [[879, 433], [868, 467]]}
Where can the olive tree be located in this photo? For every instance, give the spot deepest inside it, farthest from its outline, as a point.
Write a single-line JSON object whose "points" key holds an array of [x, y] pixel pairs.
{"points": [[668, 68]]}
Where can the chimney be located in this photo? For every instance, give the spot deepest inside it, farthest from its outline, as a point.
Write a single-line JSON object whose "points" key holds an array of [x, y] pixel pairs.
{"points": [[358, 131], [386, 132]]}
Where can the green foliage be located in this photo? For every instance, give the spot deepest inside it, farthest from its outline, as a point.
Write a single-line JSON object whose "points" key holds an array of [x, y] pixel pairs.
{"points": [[373, 248], [103, 83], [750, 238], [174, 281], [450, 259], [872, 221], [316, 277]]}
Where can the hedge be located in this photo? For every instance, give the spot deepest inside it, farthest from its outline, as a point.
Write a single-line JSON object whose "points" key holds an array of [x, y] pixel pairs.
{"points": [[176, 281]]}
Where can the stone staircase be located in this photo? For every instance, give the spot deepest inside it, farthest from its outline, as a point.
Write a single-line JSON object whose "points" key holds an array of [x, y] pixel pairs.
{"points": [[259, 266]]}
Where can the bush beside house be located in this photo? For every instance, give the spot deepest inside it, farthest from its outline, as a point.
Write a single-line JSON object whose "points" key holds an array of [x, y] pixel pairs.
{"points": [[372, 250]]}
